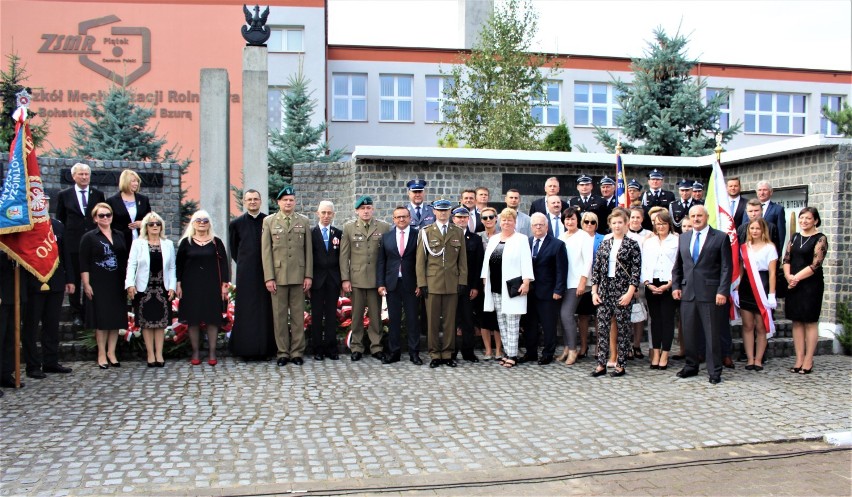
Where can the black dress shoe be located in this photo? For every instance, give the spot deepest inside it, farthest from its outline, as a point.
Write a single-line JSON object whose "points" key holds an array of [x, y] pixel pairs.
{"points": [[471, 358], [9, 382], [282, 361], [728, 363], [334, 357], [450, 362], [298, 361], [715, 380], [685, 373], [544, 361], [152, 364], [160, 364], [416, 360], [678, 357], [435, 363], [616, 373], [37, 374], [379, 356], [56, 368], [319, 357], [528, 358], [356, 356], [390, 358], [597, 372]]}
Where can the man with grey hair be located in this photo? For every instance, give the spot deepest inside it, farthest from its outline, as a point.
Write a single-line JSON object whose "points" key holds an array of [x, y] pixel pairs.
{"points": [[773, 213], [325, 288], [74, 209]]}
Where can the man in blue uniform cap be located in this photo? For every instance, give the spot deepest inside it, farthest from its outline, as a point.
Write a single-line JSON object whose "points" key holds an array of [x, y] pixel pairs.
{"points": [[421, 212]]}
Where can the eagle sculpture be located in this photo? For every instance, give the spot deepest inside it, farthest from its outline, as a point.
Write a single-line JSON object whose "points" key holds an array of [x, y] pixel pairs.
{"points": [[256, 33]]}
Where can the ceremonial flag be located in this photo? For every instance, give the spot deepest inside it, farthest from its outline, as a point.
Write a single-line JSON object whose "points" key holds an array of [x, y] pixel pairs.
{"points": [[620, 180], [26, 234], [722, 219]]}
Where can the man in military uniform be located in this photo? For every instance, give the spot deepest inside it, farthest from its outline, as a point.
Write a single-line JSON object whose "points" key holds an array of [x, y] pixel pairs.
{"points": [[441, 276], [634, 193], [608, 202], [680, 208], [421, 212], [655, 196], [698, 193], [586, 200], [288, 265], [359, 251], [464, 313]]}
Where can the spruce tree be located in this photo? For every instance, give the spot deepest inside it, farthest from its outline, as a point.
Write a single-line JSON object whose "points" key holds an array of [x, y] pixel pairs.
{"points": [[300, 142], [664, 112], [842, 118], [11, 83], [558, 140]]}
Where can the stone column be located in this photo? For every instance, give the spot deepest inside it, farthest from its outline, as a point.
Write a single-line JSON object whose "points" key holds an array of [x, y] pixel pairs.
{"points": [[215, 148], [255, 122]]}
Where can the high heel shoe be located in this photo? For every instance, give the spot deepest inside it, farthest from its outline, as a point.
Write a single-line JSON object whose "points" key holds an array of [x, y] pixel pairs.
{"points": [[564, 355], [212, 362], [655, 366], [572, 358], [662, 367], [161, 364], [152, 364], [115, 364], [195, 362], [806, 371], [637, 353], [795, 370], [103, 366], [582, 355]]}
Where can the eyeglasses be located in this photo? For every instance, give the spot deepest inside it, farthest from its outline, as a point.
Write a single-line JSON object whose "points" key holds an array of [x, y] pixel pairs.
{"points": [[202, 220], [154, 223], [590, 222], [105, 215], [488, 218]]}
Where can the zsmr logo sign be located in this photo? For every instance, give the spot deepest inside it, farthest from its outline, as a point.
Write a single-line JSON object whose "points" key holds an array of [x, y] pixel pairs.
{"points": [[119, 53]]}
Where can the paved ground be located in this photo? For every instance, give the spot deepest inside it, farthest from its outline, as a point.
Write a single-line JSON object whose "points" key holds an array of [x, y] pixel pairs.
{"points": [[242, 428]]}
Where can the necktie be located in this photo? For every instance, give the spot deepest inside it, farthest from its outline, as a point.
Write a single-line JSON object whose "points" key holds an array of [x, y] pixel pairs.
{"points": [[696, 246], [85, 201], [555, 226], [288, 221], [325, 237], [401, 242], [733, 207], [443, 229], [417, 214], [535, 247], [471, 222]]}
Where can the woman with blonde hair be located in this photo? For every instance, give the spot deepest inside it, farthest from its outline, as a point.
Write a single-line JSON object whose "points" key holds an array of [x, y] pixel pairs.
{"points": [[586, 310], [203, 273], [150, 284], [103, 256], [129, 206], [507, 257], [488, 319]]}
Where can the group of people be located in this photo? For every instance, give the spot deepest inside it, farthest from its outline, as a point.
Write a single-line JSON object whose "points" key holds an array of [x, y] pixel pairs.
{"points": [[451, 268]]}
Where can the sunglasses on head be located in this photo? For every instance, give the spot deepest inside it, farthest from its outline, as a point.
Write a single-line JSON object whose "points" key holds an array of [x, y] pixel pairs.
{"points": [[590, 222], [488, 218], [104, 215], [154, 223], [202, 220]]}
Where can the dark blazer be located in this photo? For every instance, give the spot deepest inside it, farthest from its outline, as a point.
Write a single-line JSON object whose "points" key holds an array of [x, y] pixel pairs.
{"points": [[388, 264], [550, 268], [742, 235], [539, 205], [475, 257], [121, 218], [326, 262], [711, 275], [76, 223], [739, 215], [775, 215]]}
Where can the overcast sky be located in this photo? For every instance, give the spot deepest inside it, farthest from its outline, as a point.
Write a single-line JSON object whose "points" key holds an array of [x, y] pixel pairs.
{"points": [[805, 34]]}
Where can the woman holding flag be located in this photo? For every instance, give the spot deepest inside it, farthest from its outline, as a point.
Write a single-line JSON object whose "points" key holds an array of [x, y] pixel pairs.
{"points": [[756, 295]]}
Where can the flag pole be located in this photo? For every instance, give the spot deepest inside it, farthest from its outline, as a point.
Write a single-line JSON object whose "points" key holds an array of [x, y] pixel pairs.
{"points": [[17, 325]]}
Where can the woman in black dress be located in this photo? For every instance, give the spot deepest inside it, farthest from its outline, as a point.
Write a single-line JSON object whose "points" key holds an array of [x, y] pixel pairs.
{"points": [[203, 273], [762, 256], [803, 260], [129, 206], [150, 284], [103, 257]]}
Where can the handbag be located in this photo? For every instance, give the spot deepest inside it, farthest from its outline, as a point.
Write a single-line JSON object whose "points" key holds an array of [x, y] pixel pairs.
{"points": [[225, 319], [638, 313], [514, 286]]}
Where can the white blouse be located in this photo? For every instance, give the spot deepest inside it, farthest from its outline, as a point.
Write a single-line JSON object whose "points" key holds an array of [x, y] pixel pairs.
{"points": [[613, 257], [580, 247], [763, 256], [658, 258]]}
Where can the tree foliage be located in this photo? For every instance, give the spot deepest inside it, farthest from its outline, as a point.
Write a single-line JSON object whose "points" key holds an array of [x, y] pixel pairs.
{"points": [[488, 100], [300, 142], [558, 140], [663, 109], [841, 118], [11, 83]]}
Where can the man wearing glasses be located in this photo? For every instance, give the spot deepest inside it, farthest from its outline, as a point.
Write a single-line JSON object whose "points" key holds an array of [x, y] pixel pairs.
{"points": [[288, 267]]}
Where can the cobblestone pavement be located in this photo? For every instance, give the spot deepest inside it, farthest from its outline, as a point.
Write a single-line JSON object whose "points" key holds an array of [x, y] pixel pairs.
{"points": [[241, 426]]}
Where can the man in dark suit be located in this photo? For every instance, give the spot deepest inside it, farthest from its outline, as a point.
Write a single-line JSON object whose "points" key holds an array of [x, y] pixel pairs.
{"points": [[74, 209], [396, 277], [550, 266], [737, 202], [325, 288], [608, 203], [551, 187], [43, 307], [464, 313], [474, 220], [701, 280], [773, 213], [754, 211], [655, 196]]}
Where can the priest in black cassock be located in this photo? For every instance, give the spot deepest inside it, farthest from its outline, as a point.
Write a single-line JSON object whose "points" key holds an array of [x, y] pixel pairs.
{"points": [[251, 337]]}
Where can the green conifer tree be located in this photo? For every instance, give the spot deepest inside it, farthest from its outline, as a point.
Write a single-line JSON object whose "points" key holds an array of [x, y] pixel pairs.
{"points": [[558, 140], [11, 82]]}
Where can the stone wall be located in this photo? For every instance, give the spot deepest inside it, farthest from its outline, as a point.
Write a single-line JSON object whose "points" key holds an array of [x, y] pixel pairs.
{"points": [[165, 196]]}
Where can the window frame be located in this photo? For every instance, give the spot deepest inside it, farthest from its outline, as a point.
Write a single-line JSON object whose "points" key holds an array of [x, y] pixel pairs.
{"points": [[612, 107], [724, 109], [824, 124], [442, 102], [396, 98], [349, 97], [284, 48], [774, 114], [534, 103]]}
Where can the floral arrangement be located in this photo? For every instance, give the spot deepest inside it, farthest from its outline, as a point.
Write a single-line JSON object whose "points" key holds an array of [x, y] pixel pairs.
{"points": [[344, 317]]}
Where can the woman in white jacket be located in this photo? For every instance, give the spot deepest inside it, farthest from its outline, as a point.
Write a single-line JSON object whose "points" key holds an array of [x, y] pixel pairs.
{"points": [[150, 284], [507, 256]]}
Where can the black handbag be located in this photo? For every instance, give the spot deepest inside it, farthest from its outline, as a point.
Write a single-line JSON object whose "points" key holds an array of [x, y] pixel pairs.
{"points": [[514, 286]]}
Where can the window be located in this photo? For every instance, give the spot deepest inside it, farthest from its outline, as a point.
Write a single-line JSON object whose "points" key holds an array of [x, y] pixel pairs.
{"points": [[286, 40], [437, 104], [775, 113], [834, 104], [596, 104], [550, 114], [275, 105], [396, 98], [349, 97], [724, 109]]}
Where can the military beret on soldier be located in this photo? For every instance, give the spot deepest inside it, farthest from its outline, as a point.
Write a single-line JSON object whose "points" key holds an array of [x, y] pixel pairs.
{"points": [[287, 190], [363, 200]]}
